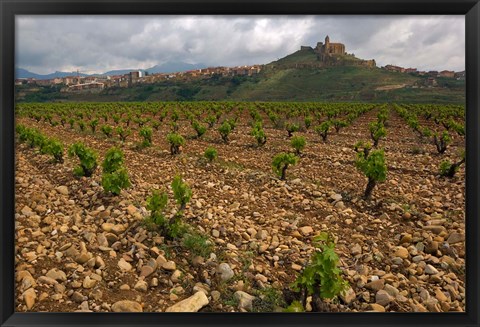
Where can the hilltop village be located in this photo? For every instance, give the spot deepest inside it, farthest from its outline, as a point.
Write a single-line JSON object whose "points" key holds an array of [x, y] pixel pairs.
{"points": [[328, 54], [78, 83]]}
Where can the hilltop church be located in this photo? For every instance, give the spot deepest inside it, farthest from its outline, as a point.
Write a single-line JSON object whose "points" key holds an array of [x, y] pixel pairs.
{"points": [[334, 54], [329, 49], [324, 51]]}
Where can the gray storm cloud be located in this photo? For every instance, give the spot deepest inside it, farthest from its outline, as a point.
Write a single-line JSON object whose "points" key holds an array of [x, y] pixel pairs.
{"points": [[95, 44]]}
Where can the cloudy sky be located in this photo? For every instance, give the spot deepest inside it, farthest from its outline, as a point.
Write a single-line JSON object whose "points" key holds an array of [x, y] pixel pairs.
{"points": [[96, 44]]}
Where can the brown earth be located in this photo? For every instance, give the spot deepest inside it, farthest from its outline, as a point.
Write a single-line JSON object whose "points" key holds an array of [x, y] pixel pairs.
{"points": [[254, 220]]}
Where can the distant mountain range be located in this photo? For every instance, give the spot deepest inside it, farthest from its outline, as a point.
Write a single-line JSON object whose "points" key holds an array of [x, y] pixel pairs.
{"points": [[168, 67], [23, 73]]}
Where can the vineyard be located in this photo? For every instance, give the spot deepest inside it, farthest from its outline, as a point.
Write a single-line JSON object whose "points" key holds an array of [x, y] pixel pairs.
{"points": [[240, 207]]}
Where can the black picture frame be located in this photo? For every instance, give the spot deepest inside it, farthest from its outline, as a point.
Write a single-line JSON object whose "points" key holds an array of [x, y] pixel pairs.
{"points": [[10, 8]]}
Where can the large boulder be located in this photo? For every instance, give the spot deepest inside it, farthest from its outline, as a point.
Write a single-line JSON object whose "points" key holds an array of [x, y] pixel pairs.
{"points": [[191, 304], [127, 306]]}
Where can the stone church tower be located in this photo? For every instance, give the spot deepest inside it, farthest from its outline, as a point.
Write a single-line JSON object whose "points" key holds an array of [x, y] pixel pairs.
{"points": [[328, 50]]}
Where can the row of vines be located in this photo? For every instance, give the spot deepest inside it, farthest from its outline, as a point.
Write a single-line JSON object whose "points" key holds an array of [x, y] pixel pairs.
{"points": [[143, 124]]}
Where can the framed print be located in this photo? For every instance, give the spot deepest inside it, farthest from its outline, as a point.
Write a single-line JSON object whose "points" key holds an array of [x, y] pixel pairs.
{"points": [[268, 163]]}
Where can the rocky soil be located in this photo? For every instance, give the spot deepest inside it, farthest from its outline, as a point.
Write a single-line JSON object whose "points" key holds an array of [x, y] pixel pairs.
{"points": [[79, 249]]}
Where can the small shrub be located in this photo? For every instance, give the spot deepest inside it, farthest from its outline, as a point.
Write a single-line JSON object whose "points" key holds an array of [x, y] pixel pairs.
{"points": [[181, 192], [291, 128], [374, 167], [377, 131], [175, 116], [22, 132], [163, 115], [382, 116], [48, 118], [71, 122], [54, 148], [156, 125], [225, 130], [323, 129], [338, 124], [87, 157], [24, 135], [116, 119], [442, 142], [189, 116], [93, 124], [298, 143], [295, 306], [448, 169], [351, 117], [175, 227], [31, 138], [426, 132], [364, 147], [218, 115], [211, 154], [175, 141], [157, 204], [81, 125], [197, 244], [128, 119], [123, 133], [255, 115], [211, 120], [116, 181], [37, 117], [115, 176], [459, 128], [308, 121], [259, 134], [174, 126], [268, 299], [37, 139], [281, 162], [275, 119], [107, 130], [445, 167], [232, 122], [448, 124], [200, 129], [322, 277], [412, 121], [113, 160], [140, 121], [146, 133]]}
